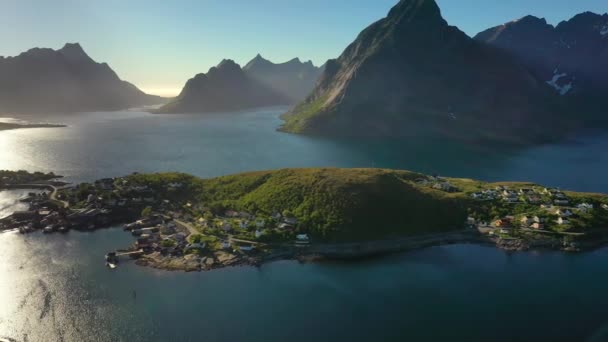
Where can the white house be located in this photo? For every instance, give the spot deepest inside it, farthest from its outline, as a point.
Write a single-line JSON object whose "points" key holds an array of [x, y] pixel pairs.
{"points": [[584, 207], [605, 206], [175, 185], [259, 233], [562, 220], [247, 248]]}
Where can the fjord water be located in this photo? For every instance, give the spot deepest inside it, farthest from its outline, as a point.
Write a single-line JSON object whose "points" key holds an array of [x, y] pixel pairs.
{"points": [[56, 288]]}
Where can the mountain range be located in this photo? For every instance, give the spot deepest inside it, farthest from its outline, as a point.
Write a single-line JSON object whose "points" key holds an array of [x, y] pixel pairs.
{"points": [[572, 57], [413, 74], [294, 79], [64, 80], [225, 88]]}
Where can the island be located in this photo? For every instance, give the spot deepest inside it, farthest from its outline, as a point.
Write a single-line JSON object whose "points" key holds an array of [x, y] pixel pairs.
{"points": [[181, 222], [11, 125]]}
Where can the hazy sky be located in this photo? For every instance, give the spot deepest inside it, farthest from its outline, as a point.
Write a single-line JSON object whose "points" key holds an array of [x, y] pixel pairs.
{"points": [[158, 45]]}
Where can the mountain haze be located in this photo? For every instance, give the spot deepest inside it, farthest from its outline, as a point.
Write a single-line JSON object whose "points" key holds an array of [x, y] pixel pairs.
{"points": [[412, 74], [224, 88], [46, 80], [294, 79]]}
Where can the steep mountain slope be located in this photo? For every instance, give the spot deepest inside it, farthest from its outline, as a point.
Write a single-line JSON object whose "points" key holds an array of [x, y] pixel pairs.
{"points": [[46, 80], [571, 57], [412, 74], [293, 79], [224, 88]]}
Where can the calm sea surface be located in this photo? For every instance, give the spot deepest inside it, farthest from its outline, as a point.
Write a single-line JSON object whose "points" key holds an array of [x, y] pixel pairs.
{"points": [[56, 288]]}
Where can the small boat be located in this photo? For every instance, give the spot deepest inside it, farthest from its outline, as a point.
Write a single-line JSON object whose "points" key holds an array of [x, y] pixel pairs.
{"points": [[48, 229], [63, 229], [111, 265]]}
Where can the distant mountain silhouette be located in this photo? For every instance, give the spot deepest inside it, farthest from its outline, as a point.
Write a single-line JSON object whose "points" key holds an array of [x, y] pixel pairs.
{"points": [[294, 78], [571, 57], [64, 80], [224, 88], [411, 74]]}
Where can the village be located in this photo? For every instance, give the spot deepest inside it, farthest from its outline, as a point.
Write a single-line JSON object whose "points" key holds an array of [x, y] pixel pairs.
{"points": [[538, 210], [168, 232]]}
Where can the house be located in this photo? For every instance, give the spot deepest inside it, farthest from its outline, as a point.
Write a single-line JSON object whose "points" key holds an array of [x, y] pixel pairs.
{"points": [[447, 187], [503, 222], [259, 233], [286, 226], [537, 225], [471, 220], [546, 206], [561, 202], [194, 246], [247, 248], [260, 224], [227, 227], [562, 220], [526, 191], [149, 199], [585, 207], [538, 219], [142, 242], [226, 245], [527, 220], [243, 224], [277, 216], [534, 199], [563, 212], [605, 206], [136, 200], [175, 185], [231, 213], [302, 238], [290, 220]]}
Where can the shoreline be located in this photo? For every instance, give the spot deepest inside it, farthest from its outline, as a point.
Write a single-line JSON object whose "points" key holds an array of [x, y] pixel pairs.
{"points": [[354, 252]]}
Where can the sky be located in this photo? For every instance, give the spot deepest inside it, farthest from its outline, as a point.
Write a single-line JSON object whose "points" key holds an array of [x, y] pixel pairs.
{"points": [[158, 45]]}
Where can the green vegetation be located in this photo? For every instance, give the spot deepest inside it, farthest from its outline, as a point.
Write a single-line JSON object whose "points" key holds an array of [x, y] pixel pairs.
{"points": [[331, 204], [299, 118], [350, 204]]}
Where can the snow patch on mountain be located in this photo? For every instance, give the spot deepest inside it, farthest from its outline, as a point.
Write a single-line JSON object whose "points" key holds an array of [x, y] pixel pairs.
{"points": [[554, 83]]}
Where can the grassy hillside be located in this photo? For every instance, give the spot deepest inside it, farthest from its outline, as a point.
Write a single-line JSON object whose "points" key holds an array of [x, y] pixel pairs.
{"points": [[357, 204]]}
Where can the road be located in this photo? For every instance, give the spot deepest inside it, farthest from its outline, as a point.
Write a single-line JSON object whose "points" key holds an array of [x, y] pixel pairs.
{"points": [[53, 196], [188, 226]]}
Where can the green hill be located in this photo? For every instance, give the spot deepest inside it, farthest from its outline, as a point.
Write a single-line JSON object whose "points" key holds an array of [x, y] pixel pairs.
{"points": [[334, 204], [363, 204]]}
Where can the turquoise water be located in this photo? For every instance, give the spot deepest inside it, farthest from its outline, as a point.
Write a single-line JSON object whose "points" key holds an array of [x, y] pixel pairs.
{"points": [[56, 288]]}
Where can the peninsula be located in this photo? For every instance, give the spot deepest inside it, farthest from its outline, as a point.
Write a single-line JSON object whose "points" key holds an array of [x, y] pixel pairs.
{"points": [[10, 125], [181, 222]]}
